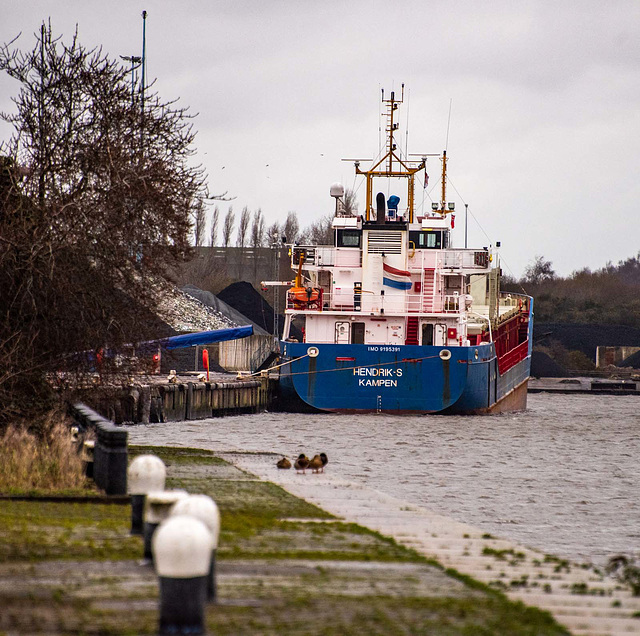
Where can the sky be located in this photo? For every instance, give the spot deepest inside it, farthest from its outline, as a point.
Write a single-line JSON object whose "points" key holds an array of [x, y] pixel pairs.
{"points": [[537, 104]]}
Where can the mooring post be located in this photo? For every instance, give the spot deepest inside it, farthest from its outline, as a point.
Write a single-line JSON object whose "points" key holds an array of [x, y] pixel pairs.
{"points": [[182, 550], [147, 473], [205, 509], [157, 507]]}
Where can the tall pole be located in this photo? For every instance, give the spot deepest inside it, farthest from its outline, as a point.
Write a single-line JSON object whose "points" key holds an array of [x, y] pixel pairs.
{"points": [[466, 223], [144, 76], [144, 54]]}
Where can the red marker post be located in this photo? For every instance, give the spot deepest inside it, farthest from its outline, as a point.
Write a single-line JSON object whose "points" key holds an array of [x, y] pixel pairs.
{"points": [[205, 361]]}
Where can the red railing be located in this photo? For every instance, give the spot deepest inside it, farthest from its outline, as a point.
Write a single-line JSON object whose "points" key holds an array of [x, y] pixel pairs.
{"points": [[512, 357]]}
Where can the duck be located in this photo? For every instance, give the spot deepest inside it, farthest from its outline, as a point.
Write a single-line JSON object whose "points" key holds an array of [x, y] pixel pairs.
{"points": [[301, 463], [283, 463], [315, 464], [325, 460]]}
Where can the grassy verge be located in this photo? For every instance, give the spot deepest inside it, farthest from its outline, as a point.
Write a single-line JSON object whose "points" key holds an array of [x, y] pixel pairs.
{"points": [[285, 567]]}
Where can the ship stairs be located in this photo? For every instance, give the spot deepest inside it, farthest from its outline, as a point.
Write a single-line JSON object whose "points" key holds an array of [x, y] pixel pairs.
{"points": [[412, 331], [429, 291]]}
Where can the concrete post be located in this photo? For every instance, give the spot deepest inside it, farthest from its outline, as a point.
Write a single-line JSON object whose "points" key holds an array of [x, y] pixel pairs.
{"points": [[205, 509], [157, 507], [181, 549], [146, 473]]}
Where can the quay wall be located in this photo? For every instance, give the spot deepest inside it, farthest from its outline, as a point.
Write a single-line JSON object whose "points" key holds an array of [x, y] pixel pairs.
{"points": [[174, 402]]}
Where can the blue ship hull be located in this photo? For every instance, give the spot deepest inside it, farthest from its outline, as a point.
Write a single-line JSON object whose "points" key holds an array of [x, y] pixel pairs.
{"points": [[400, 379]]}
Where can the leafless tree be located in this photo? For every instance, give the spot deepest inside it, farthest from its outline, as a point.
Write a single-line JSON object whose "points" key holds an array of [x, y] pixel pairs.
{"points": [[257, 229], [199, 224], [319, 232], [215, 220], [291, 227], [273, 234], [350, 203], [243, 227], [96, 198], [227, 228]]}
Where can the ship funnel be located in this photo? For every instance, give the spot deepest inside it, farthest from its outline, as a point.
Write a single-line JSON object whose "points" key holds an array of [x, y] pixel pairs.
{"points": [[380, 208]]}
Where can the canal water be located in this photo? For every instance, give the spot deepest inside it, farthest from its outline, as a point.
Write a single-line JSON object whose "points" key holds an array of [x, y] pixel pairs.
{"points": [[563, 477]]}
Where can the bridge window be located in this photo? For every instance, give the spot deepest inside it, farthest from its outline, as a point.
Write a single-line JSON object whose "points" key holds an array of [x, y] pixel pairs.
{"points": [[428, 239], [349, 238]]}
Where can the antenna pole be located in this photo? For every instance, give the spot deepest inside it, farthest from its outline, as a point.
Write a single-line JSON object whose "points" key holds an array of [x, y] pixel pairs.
{"points": [[144, 55], [466, 223]]}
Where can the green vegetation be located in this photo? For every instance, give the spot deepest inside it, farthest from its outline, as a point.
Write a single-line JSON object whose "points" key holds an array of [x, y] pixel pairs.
{"points": [[284, 565], [610, 295]]}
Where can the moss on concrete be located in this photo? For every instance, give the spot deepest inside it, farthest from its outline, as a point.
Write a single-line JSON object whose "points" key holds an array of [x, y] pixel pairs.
{"points": [[285, 567]]}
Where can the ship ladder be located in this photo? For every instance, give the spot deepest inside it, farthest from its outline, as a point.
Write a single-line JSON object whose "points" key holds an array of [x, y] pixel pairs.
{"points": [[429, 291], [412, 331]]}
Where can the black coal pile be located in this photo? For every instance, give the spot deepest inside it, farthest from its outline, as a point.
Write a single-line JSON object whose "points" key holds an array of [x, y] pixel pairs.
{"points": [[231, 314], [632, 361], [542, 366], [244, 298], [586, 337]]}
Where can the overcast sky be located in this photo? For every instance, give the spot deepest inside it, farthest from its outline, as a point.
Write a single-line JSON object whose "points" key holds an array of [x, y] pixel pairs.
{"points": [[544, 133]]}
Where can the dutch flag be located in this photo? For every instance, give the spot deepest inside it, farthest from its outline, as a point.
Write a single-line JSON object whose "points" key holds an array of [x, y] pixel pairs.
{"points": [[396, 278]]}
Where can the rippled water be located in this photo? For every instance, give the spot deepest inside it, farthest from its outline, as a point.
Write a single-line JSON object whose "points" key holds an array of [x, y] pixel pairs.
{"points": [[563, 477]]}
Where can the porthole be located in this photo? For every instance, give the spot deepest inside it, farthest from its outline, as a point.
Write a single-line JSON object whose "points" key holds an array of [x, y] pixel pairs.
{"points": [[445, 354], [313, 352]]}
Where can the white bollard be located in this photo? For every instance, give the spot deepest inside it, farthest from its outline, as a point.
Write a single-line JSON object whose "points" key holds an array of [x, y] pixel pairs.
{"points": [[182, 549], [88, 452], [157, 507], [205, 509], [145, 474]]}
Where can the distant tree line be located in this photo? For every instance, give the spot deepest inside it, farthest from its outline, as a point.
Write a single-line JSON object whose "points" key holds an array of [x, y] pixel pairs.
{"points": [[610, 295], [252, 230]]}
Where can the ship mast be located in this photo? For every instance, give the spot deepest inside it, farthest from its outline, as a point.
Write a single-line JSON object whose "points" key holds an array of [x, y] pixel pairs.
{"points": [[391, 165]]}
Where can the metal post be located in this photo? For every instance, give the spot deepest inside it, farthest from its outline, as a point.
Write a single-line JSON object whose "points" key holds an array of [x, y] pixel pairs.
{"points": [[466, 222]]}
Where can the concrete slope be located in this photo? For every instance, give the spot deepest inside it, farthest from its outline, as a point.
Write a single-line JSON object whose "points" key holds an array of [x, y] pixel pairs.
{"points": [[579, 596]]}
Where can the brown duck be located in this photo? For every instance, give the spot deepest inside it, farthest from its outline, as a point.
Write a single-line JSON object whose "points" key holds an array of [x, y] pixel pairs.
{"points": [[283, 463], [315, 464], [325, 460], [302, 463]]}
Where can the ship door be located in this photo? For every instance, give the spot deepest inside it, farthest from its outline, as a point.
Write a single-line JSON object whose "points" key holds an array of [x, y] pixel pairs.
{"points": [[357, 333], [343, 333], [427, 334], [439, 335]]}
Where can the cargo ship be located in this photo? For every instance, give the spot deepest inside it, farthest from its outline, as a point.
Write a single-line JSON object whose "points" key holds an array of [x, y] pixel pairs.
{"points": [[395, 318]]}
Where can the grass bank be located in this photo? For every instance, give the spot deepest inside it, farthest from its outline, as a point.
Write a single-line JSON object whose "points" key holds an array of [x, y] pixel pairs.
{"points": [[285, 567]]}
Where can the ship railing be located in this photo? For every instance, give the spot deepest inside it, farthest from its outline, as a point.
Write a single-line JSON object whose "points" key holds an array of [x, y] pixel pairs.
{"points": [[449, 259], [452, 303], [346, 299]]}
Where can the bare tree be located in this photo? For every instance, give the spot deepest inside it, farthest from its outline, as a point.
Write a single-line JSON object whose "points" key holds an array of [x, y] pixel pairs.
{"points": [[319, 232], [539, 271], [257, 229], [350, 203], [227, 228], [97, 195], [199, 224], [243, 227], [291, 227], [273, 234], [215, 220]]}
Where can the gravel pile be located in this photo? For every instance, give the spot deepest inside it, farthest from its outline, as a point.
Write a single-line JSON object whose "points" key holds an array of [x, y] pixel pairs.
{"points": [[185, 313]]}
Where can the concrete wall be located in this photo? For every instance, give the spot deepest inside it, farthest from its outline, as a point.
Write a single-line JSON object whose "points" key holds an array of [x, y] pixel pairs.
{"points": [[181, 401], [613, 355]]}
